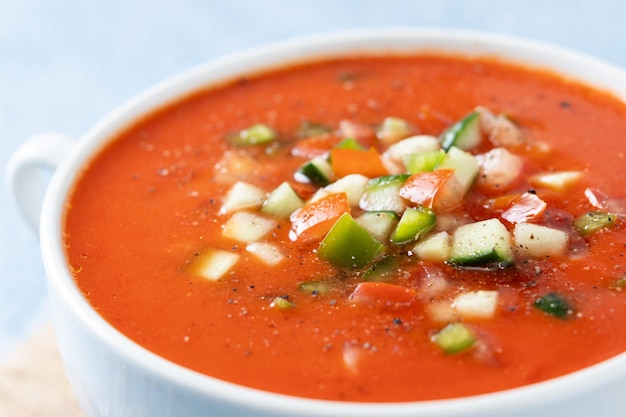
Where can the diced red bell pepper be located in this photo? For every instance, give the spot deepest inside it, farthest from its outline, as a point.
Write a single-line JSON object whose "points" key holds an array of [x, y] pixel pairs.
{"points": [[347, 161]]}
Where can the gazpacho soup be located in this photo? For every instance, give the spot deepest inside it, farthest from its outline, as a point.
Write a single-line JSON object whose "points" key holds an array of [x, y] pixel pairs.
{"points": [[365, 228]]}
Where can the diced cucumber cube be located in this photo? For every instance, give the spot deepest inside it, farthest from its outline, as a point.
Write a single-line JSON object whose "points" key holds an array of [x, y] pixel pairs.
{"points": [[423, 162], [247, 227], [242, 196], [258, 134], [414, 223], [282, 201], [535, 241], [379, 223], [317, 171], [484, 243], [413, 145], [348, 244], [353, 185], [465, 166], [554, 305], [454, 338], [464, 134], [434, 247], [594, 221], [382, 194]]}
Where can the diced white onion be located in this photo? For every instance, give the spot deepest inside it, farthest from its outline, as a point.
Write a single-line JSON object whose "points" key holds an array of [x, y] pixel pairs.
{"points": [[556, 181], [266, 252], [476, 304], [215, 263], [247, 227], [499, 169], [242, 196], [535, 241]]}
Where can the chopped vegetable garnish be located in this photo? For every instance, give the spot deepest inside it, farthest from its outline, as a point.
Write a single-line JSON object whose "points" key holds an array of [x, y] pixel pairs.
{"points": [[315, 287], [476, 304], [258, 134], [247, 227], [454, 338], [316, 218], [348, 244], [379, 223], [282, 201], [464, 134], [382, 194], [554, 305], [347, 161], [422, 188], [215, 263], [535, 241], [423, 162], [557, 181], [485, 243], [350, 143], [414, 223], [242, 196], [393, 129], [594, 221], [317, 171], [382, 270], [281, 303], [525, 208]]}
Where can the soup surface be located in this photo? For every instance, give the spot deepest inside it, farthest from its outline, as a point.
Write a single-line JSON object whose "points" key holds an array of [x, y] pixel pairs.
{"points": [[390, 228]]}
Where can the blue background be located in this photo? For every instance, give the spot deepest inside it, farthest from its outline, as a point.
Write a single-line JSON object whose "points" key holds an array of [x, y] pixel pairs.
{"points": [[66, 63]]}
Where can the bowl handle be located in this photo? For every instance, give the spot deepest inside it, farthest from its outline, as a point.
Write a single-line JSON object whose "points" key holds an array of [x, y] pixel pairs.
{"points": [[38, 155]]}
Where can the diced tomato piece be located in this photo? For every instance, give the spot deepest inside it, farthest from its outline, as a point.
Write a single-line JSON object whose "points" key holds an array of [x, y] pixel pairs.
{"points": [[303, 189], [421, 188], [315, 146], [383, 295], [355, 161], [525, 208], [314, 220]]}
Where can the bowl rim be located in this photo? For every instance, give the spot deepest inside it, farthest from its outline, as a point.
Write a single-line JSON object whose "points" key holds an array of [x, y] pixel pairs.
{"points": [[529, 53]]}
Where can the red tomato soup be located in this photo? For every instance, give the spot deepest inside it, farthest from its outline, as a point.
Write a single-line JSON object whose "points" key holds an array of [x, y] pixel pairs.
{"points": [[376, 229]]}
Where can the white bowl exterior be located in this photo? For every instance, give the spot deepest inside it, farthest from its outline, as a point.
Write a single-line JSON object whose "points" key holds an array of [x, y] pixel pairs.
{"points": [[113, 376]]}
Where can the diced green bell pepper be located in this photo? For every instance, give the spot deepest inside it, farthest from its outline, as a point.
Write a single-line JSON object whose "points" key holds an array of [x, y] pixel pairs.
{"points": [[414, 223], [348, 244]]}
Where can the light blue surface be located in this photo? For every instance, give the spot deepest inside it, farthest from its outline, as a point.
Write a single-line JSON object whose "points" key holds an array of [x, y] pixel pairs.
{"points": [[66, 63]]}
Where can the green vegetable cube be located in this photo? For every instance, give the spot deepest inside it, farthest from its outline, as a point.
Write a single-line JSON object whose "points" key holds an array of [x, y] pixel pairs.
{"points": [[454, 338], [414, 223], [348, 244]]}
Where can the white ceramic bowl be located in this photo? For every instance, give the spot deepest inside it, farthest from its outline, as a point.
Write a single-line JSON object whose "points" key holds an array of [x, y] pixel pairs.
{"points": [[113, 376]]}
